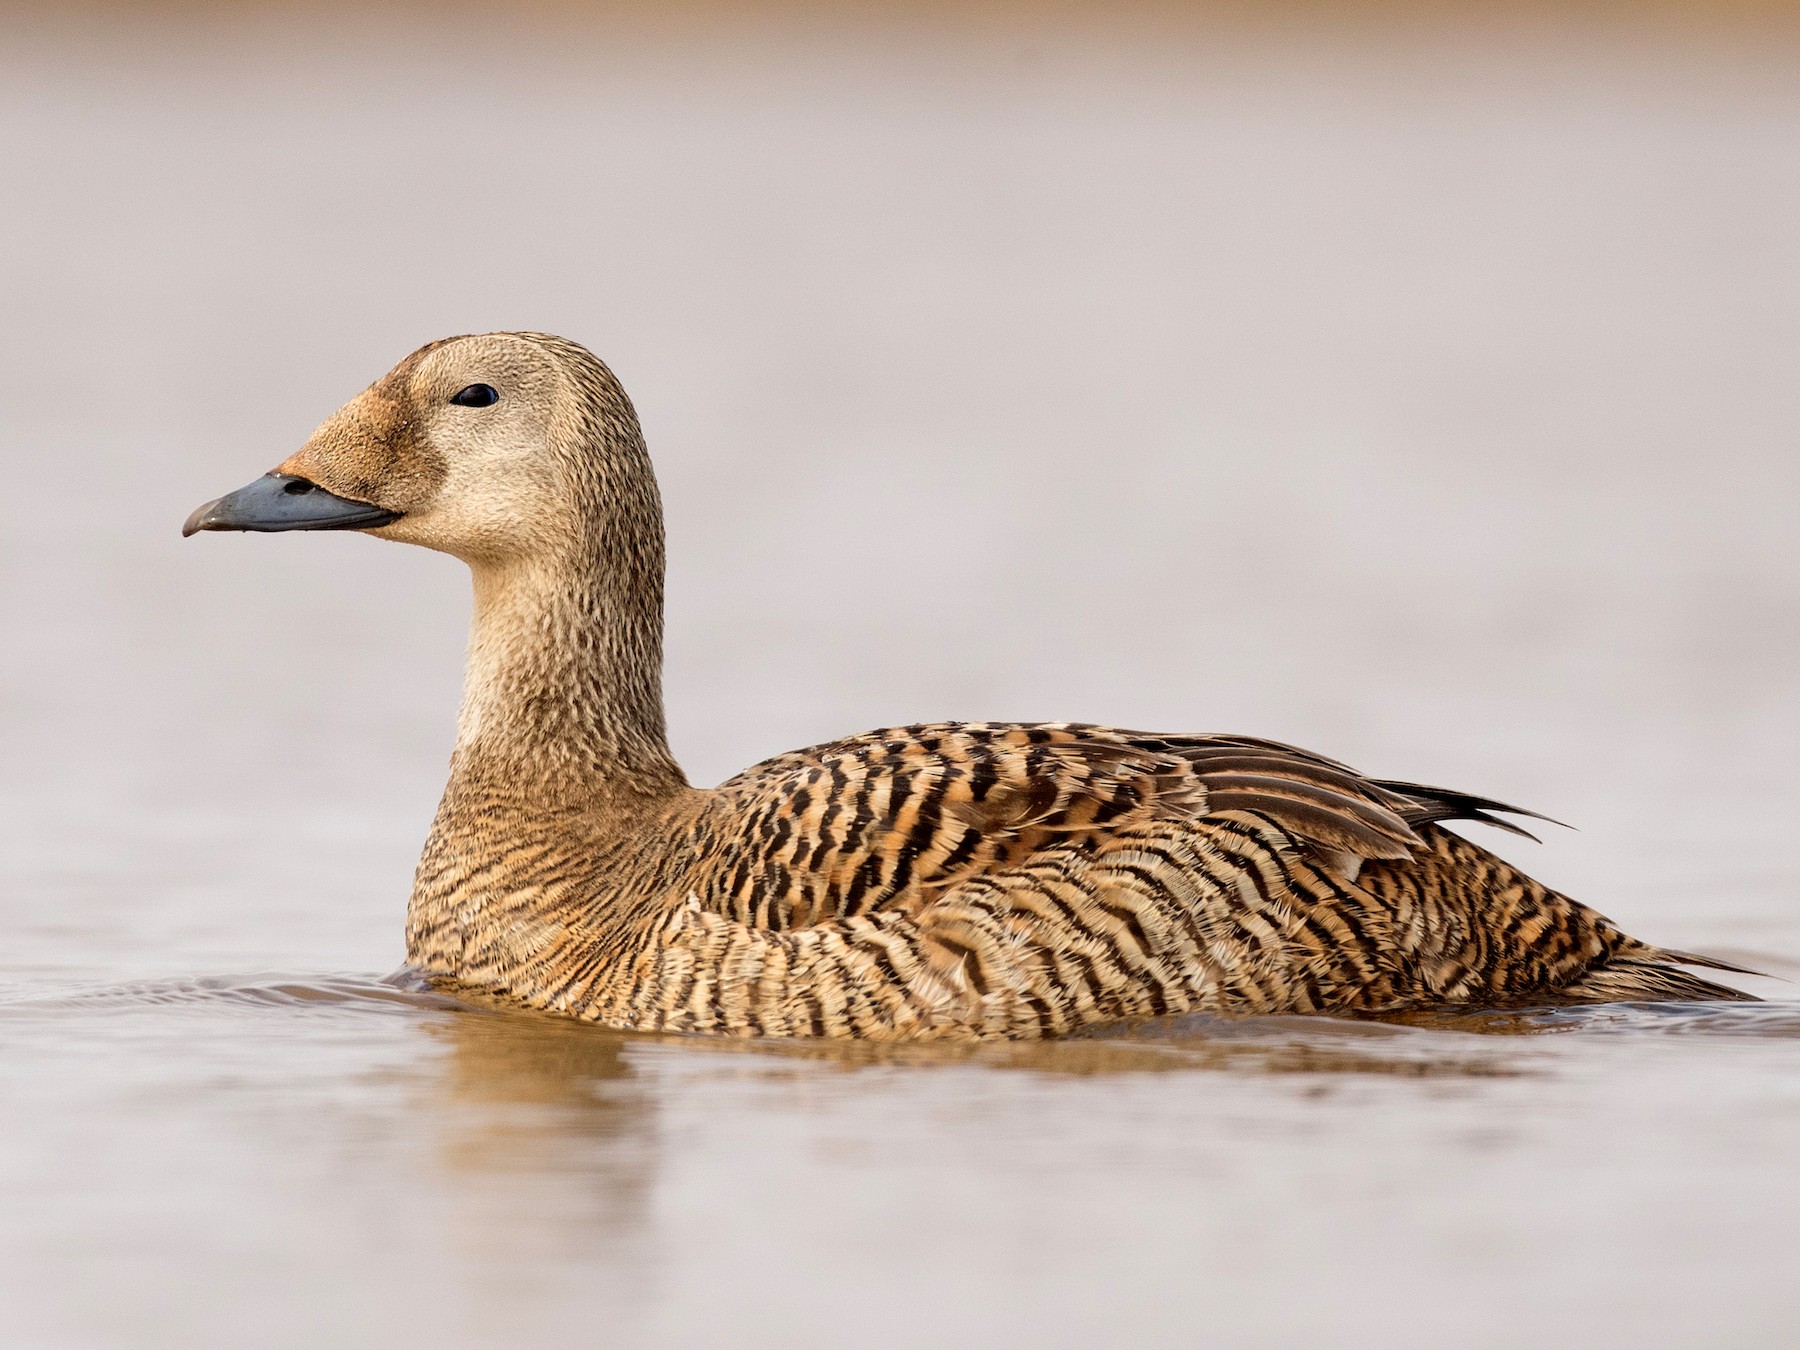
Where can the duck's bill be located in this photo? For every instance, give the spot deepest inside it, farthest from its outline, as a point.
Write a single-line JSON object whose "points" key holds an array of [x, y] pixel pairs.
{"points": [[281, 501]]}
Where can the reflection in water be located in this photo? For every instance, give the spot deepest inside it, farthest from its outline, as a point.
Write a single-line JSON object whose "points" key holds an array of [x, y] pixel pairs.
{"points": [[547, 1143], [520, 1091], [1752, 1021], [553, 1140], [1198, 1044], [510, 1075]]}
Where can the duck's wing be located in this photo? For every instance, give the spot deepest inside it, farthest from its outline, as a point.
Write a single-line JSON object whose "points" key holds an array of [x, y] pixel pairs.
{"points": [[892, 818], [1414, 803]]}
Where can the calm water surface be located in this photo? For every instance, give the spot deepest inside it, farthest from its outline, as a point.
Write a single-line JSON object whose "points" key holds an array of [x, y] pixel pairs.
{"points": [[336, 1161], [1429, 400]]}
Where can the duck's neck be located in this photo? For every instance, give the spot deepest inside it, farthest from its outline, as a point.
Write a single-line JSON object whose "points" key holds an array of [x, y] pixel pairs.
{"points": [[562, 701]]}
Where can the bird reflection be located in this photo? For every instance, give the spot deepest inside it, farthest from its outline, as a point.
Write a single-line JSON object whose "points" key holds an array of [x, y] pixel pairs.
{"points": [[547, 1141], [549, 1135]]}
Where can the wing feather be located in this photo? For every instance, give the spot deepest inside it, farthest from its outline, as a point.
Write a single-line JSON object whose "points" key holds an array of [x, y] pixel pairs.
{"points": [[892, 818]]}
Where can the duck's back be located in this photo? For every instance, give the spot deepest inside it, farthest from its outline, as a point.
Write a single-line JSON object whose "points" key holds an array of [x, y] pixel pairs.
{"points": [[1026, 880]]}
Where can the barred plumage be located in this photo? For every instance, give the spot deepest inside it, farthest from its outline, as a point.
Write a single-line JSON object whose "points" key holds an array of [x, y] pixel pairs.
{"points": [[933, 881]]}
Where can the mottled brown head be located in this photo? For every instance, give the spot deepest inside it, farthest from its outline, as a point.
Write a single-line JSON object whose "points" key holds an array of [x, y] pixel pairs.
{"points": [[489, 447]]}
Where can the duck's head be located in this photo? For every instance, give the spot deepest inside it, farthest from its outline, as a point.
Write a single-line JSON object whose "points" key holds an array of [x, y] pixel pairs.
{"points": [[490, 447]]}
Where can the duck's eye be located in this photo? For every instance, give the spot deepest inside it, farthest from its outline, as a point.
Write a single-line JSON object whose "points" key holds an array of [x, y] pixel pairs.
{"points": [[477, 396]]}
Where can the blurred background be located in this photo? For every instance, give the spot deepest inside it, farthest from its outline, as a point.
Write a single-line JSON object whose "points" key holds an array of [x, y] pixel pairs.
{"points": [[1415, 383]]}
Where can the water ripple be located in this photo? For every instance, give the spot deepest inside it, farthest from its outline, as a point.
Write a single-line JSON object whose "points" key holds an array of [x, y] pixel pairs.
{"points": [[403, 992]]}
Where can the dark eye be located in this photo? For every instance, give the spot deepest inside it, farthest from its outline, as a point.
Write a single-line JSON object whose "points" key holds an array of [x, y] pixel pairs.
{"points": [[477, 396]]}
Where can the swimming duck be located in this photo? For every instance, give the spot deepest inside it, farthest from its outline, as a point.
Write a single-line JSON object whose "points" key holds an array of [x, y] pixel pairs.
{"points": [[949, 880]]}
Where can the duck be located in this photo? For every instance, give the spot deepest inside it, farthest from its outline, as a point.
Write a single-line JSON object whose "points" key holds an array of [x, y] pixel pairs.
{"points": [[942, 881]]}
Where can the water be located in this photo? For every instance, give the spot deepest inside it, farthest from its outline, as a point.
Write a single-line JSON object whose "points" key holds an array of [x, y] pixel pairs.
{"points": [[1420, 395], [323, 1162]]}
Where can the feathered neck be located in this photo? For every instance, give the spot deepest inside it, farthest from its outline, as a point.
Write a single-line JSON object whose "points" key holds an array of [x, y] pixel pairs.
{"points": [[562, 699]]}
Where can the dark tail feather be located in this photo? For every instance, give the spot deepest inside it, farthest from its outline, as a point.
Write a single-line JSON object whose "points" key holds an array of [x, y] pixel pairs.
{"points": [[1709, 962], [1635, 980], [1426, 805]]}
